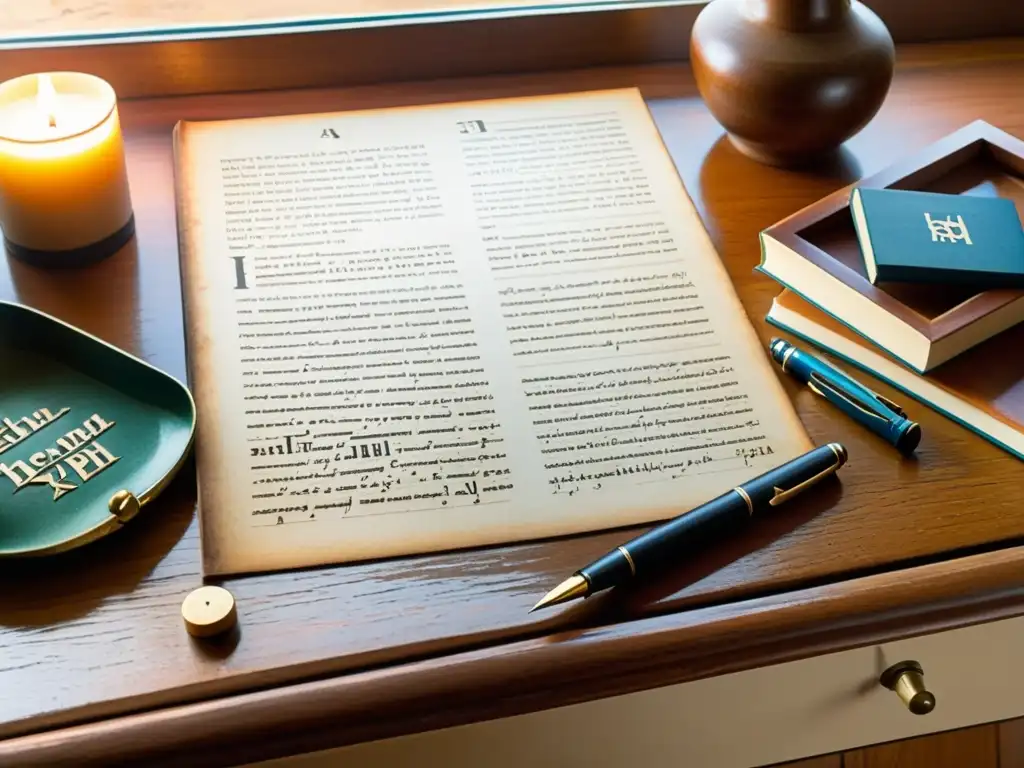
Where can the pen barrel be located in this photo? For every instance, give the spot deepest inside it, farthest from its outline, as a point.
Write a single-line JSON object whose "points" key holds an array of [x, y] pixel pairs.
{"points": [[666, 544], [849, 395], [792, 362], [777, 486], [890, 426]]}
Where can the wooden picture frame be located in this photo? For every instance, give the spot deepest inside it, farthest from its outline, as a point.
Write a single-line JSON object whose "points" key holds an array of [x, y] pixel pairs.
{"points": [[976, 159]]}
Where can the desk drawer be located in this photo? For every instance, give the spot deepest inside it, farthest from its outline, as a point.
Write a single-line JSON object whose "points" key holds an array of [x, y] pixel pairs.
{"points": [[773, 714]]}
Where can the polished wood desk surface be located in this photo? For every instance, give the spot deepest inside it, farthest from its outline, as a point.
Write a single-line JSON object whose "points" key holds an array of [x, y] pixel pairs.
{"points": [[345, 653]]}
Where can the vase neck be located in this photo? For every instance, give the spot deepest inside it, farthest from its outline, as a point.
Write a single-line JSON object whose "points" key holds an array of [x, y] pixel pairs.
{"points": [[801, 15]]}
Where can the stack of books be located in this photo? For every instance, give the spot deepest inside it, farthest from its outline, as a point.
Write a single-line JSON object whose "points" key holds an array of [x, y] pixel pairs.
{"points": [[923, 290]]}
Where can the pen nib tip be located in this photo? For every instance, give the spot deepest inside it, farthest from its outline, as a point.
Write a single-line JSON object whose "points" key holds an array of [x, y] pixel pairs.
{"points": [[573, 587]]}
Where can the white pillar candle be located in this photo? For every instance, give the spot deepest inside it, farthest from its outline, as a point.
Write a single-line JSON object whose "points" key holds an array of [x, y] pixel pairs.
{"points": [[64, 197]]}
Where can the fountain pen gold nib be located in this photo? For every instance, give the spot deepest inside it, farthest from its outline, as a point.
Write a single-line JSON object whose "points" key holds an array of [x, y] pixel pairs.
{"points": [[573, 587]]}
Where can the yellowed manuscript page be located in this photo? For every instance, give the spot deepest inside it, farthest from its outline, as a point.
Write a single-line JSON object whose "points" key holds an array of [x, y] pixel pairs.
{"points": [[432, 328]]}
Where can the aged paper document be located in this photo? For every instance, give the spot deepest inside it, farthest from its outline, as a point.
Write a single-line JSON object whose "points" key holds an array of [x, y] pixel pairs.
{"points": [[432, 328]]}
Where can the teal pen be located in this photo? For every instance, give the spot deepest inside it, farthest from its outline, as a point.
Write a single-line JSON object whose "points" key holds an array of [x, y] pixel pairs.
{"points": [[879, 414]]}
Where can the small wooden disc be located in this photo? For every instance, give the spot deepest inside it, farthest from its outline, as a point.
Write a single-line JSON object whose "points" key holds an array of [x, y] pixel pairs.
{"points": [[209, 611]]}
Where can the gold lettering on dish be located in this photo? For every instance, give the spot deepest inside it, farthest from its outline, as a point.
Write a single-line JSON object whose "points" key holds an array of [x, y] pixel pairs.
{"points": [[14, 432], [73, 459]]}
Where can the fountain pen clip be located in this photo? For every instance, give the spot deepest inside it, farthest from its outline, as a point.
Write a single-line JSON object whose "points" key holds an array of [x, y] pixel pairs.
{"points": [[817, 382], [783, 495]]}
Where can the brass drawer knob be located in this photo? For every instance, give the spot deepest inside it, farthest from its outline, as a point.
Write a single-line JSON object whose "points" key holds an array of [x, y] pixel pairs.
{"points": [[907, 679]]}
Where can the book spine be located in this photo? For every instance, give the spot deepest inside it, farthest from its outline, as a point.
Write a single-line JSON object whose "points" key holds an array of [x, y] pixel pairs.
{"points": [[761, 241], [895, 273], [842, 322]]}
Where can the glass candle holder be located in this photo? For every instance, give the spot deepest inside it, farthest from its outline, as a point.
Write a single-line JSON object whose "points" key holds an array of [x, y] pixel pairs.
{"points": [[64, 197]]}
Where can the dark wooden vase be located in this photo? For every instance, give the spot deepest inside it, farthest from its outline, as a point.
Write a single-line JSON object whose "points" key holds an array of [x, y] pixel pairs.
{"points": [[791, 80]]}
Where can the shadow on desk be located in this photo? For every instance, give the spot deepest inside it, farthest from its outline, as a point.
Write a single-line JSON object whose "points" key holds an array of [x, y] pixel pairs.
{"points": [[98, 298], [38, 592], [101, 299], [728, 180], [625, 603]]}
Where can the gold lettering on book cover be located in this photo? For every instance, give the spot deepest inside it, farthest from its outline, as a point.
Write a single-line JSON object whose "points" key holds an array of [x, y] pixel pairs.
{"points": [[948, 230]]}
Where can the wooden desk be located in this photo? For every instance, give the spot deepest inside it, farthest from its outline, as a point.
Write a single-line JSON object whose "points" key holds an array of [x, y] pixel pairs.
{"points": [[94, 662]]}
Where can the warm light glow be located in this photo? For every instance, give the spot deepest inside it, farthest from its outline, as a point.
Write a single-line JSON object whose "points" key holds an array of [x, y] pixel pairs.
{"points": [[63, 180], [69, 147], [46, 99], [51, 107]]}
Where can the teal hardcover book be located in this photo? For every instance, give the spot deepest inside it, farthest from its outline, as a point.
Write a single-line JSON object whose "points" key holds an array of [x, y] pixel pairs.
{"points": [[928, 237]]}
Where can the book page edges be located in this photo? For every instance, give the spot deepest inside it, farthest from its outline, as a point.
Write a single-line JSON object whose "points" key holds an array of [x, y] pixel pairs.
{"points": [[905, 342], [860, 226], [917, 351], [212, 474], [1003, 432]]}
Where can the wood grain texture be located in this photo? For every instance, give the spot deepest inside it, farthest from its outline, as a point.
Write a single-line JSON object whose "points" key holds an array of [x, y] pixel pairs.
{"points": [[1011, 743], [571, 663], [974, 747], [828, 761], [98, 632]]}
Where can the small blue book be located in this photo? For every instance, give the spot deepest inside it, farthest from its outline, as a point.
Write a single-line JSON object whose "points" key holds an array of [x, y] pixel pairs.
{"points": [[925, 237]]}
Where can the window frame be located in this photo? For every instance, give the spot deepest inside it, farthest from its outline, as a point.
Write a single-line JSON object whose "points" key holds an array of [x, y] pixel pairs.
{"points": [[332, 53]]}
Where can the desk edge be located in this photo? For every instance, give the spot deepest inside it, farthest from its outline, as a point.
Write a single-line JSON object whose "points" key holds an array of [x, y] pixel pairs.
{"points": [[509, 679]]}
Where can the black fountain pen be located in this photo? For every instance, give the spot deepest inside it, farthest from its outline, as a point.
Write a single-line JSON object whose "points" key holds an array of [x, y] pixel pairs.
{"points": [[663, 545]]}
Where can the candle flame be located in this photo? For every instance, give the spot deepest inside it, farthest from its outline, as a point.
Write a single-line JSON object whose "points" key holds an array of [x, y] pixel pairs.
{"points": [[46, 99]]}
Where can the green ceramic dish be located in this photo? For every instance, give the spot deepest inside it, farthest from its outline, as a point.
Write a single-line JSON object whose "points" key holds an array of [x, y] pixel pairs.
{"points": [[88, 434]]}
